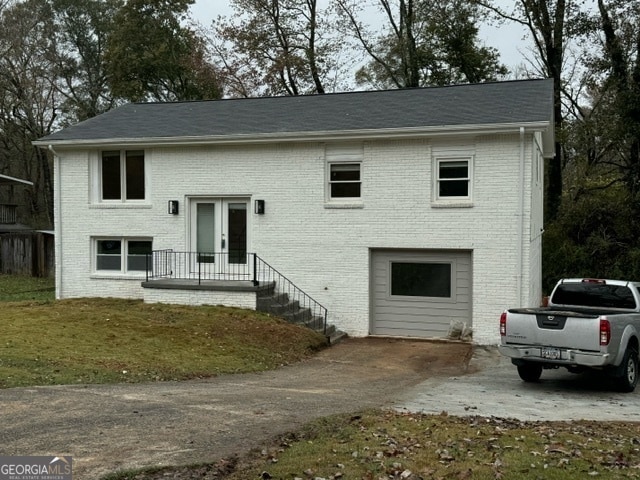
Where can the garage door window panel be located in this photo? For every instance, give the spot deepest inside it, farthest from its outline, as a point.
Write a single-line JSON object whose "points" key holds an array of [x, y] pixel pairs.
{"points": [[417, 279]]}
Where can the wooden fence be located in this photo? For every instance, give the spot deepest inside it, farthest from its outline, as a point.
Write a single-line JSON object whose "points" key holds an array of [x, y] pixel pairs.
{"points": [[27, 253]]}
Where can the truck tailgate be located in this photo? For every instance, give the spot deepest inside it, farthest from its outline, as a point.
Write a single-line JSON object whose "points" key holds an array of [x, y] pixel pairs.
{"points": [[553, 328]]}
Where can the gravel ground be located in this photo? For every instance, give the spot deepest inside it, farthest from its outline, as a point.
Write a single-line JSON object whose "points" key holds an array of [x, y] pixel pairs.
{"points": [[110, 427]]}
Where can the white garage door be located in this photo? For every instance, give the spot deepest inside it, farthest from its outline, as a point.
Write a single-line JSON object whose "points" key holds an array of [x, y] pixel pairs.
{"points": [[419, 293]]}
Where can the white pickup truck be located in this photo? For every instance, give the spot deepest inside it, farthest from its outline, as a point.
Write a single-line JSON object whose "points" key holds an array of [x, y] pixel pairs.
{"points": [[588, 323]]}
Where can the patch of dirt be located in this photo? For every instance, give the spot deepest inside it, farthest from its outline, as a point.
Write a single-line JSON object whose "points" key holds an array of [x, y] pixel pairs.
{"points": [[127, 426], [385, 354]]}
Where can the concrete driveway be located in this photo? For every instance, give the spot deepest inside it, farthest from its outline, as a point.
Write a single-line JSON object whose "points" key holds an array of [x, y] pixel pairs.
{"points": [[495, 389]]}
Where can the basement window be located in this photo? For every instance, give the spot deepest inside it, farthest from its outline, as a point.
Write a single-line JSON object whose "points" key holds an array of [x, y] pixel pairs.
{"points": [[121, 255]]}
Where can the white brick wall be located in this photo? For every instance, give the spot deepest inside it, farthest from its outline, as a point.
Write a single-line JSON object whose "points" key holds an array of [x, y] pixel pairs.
{"points": [[325, 251], [201, 297]]}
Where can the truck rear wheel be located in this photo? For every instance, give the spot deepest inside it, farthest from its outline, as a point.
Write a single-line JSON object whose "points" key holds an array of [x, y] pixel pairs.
{"points": [[530, 372], [628, 379]]}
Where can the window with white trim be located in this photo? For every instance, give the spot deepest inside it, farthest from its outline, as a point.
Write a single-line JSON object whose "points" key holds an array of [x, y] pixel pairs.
{"points": [[122, 176], [122, 255], [344, 180], [344, 173], [453, 178]]}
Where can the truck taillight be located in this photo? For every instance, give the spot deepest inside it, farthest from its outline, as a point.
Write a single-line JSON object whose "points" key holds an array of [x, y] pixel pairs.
{"points": [[503, 324], [605, 331]]}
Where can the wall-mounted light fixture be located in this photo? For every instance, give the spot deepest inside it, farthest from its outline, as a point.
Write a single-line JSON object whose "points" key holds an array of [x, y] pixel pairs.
{"points": [[173, 207], [258, 207]]}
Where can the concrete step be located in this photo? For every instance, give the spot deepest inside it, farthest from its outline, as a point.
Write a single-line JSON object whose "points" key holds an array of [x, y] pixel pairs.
{"points": [[298, 315], [336, 337], [314, 323], [267, 300], [266, 289], [278, 304], [281, 310]]}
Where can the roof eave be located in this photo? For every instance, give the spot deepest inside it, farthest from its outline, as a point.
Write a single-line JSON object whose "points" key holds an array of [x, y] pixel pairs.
{"points": [[329, 135]]}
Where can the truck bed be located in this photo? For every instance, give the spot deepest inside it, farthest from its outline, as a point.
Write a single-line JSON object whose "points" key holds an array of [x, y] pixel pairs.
{"points": [[567, 311]]}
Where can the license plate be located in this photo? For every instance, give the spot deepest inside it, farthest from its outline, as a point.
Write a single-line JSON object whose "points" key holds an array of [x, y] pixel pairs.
{"points": [[550, 353]]}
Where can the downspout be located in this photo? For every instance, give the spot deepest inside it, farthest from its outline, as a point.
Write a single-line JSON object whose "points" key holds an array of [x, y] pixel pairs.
{"points": [[520, 247], [57, 222]]}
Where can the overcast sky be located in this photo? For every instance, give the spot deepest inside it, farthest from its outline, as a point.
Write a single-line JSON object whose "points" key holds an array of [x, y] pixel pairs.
{"points": [[506, 38]]}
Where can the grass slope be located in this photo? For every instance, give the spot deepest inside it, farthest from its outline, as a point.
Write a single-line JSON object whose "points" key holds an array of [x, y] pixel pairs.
{"points": [[115, 340]]}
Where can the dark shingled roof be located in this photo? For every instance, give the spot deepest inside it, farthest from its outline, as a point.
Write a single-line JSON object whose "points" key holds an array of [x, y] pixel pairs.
{"points": [[513, 102]]}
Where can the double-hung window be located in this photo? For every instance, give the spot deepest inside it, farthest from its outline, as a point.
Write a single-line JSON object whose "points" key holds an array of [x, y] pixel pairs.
{"points": [[453, 179], [122, 175], [344, 180], [344, 174], [121, 255]]}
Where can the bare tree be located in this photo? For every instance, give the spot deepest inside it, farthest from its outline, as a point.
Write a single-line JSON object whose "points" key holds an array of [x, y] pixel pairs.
{"points": [[277, 47], [28, 99], [421, 43], [620, 62], [551, 24]]}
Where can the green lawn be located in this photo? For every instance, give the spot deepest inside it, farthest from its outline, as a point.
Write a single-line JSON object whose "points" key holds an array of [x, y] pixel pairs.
{"points": [[15, 288], [114, 340]]}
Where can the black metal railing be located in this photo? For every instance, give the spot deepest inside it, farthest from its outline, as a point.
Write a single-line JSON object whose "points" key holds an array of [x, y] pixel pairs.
{"points": [[201, 266], [289, 300]]}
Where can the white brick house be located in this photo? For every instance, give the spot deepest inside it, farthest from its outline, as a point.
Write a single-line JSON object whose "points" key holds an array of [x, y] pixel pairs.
{"points": [[399, 211]]}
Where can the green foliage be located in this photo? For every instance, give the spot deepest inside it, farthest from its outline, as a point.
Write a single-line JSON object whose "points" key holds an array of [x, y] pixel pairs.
{"points": [[593, 236], [82, 28], [152, 56], [430, 43], [596, 231], [110, 340]]}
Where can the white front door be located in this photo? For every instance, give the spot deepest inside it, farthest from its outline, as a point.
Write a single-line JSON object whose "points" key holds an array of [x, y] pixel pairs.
{"points": [[219, 236]]}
